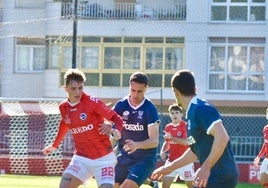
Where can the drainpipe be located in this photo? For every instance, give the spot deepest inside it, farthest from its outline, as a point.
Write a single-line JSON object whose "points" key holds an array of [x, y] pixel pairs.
{"points": [[74, 34]]}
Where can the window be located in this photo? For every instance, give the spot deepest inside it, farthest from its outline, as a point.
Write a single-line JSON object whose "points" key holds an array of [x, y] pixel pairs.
{"points": [[30, 55], [112, 57], [173, 58], [236, 64], [238, 10], [30, 3], [90, 57], [131, 58], [67, 56], [53, 59], [108, 61], [154, 58], [54, 54]]}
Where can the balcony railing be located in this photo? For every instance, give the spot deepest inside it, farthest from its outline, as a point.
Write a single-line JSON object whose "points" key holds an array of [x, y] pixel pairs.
{"points": [[162, 11]]}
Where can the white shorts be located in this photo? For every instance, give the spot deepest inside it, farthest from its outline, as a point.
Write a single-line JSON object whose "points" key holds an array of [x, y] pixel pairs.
{"points": [[264, 166], [102, 169], [185, 173]]}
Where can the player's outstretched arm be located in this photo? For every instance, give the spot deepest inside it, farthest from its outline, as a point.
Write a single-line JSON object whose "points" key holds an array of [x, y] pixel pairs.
{"points": [[49, 149], [160, 172], [164, 149], [187, 157], [256, 161]]}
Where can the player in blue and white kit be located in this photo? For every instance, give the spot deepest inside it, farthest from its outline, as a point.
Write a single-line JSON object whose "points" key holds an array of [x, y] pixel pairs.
{"points": [[207, 139], [139, 137]]}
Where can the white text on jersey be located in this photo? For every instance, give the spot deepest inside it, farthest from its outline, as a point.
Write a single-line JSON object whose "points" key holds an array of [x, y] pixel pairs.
{"points": [[132, 127], [81, 129]]}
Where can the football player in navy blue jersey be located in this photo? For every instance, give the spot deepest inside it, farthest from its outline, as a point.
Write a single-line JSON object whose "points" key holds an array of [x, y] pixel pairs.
{"points": [[207, 139], [139, 137]]}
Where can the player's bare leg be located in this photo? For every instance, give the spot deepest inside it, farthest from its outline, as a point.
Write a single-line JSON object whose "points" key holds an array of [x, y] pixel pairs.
{"points": [[116, 185], [167, 181], [106, 185], [129, 184], [264, 180], [189, 184], [70, 181]]}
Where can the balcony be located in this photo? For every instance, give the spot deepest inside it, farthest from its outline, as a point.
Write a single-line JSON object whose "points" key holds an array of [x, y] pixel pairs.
{"points": [[131, 11]]}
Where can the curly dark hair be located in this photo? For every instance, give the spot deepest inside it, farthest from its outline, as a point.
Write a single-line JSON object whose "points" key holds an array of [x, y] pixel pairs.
{"points": [[74, 75]]}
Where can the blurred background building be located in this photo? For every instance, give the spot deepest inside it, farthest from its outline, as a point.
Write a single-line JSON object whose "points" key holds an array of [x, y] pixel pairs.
{"points": [[224, 42]]}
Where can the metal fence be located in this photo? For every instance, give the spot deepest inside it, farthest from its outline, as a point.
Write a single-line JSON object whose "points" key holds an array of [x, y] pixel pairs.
{"points": [[167, 11], [245, 134], [245, 131], [246, 139], [245, 147]]}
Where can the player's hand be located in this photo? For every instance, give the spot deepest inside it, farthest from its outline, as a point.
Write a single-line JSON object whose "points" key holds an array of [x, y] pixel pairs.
{"points": [[160, 172], [167, 135], [105, 128], [49, 149], [130, 146], [163, 155], [116, 134], [256, 161], [201, 177]]}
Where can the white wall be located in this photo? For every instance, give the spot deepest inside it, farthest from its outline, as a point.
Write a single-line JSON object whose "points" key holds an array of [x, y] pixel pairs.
{"points": [[22, 23]]}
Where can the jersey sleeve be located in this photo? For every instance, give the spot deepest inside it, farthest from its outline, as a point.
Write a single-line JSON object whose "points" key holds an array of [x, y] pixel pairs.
{"points": [[153, 117], [63, 129], [265, 144], [207, 115], [166, 128], [118, 121], [108, 113], [262, 151]]}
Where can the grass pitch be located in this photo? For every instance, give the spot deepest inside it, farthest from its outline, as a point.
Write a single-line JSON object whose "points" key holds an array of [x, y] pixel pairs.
{"points": [[24, 181]]}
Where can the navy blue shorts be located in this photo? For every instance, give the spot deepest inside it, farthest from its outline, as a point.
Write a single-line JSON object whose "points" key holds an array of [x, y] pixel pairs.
{"points": [[135, 170]]}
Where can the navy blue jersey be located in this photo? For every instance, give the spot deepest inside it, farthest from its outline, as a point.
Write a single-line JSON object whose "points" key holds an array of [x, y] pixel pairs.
{"points": [[201, 117], [136, 123]]}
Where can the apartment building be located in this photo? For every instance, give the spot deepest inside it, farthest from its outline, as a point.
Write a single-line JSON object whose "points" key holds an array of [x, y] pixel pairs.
{"points": [[224, 42]]}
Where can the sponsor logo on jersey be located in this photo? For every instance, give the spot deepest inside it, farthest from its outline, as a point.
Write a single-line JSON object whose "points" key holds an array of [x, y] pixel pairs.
{"points": [[140, 114], [83, 116], [132, 127], [125, 115], [82, 129]]}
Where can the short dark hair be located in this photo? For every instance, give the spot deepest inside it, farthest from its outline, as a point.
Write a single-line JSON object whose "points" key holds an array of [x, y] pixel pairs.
{"points": [[184, 82], [175, 107], [139, 77], [74, 75]]}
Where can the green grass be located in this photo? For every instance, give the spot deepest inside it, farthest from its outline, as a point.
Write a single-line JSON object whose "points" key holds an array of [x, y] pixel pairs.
{"points": [[24, 181]]}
